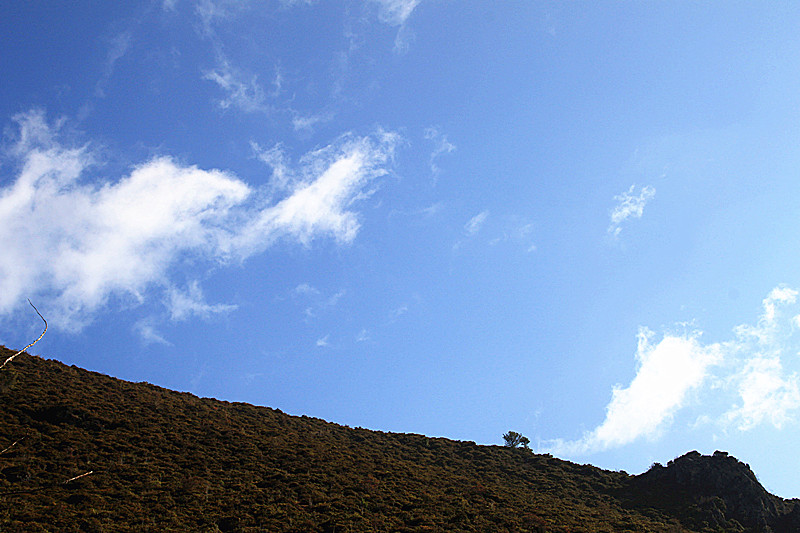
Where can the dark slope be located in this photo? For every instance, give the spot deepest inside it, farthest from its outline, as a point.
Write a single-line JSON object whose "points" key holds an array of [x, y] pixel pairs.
{"points": [[168, 461], [718, 491]]}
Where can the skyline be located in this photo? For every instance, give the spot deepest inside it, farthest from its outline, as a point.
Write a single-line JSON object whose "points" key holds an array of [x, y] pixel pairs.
{"points": [[570, 221]]}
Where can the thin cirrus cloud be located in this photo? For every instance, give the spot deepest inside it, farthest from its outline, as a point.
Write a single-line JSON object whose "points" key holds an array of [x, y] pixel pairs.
{"points": [[629, 205], [747, 373], [475, 224], [471, 228], [183, 304], [314, 300], [395, 12], [243, 93], [441, 146], [76, 244]]}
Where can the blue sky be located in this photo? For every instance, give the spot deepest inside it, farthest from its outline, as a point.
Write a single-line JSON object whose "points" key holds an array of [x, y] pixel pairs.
{"points": [[575, 220]]}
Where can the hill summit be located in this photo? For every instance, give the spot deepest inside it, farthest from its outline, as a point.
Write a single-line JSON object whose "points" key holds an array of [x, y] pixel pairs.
{"points": [[81, 451]]}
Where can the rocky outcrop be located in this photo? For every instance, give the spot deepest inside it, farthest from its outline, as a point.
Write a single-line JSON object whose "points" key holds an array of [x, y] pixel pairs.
{"points": [[716, 492]]}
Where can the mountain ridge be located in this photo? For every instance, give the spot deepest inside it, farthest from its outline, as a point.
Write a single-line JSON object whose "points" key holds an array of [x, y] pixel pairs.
{"points": [[87, 452]]}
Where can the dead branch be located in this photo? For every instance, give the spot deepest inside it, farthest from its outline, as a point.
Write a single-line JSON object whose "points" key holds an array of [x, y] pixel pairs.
{"points": [[45, 487], [14, 444], [31, 344], [89, 473]]}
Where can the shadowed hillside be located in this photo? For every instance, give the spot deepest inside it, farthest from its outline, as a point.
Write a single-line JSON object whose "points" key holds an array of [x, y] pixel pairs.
{"points": [[168, 461]]}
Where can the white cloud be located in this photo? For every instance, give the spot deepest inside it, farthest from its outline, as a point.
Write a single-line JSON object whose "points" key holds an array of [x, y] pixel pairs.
{"points": [[746, 372], [766, 396], [275, 157], [323, 342], [331, 180], [766, 393], [475, 223], [77, 244], [777, 297], [395, 12], [667, 372], [85, 242], [629, 205]]}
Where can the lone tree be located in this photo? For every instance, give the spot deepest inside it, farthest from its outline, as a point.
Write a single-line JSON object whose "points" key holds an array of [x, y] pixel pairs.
{"points": [[515, 440]]}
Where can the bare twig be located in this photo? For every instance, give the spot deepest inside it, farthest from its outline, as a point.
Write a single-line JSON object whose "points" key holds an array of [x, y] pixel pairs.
{"points": [[89, 473], [14, 444], [45, 487], [31, 344]]}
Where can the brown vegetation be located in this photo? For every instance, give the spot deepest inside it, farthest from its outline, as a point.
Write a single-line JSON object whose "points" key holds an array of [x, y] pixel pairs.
{"points": [[169, 461]]}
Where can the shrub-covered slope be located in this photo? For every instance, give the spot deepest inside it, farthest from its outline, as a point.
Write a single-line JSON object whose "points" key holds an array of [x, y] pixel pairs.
{"points": [[169, 461]]}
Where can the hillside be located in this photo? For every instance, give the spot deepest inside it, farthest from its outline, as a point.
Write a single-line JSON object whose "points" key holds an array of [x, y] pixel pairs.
{"points": [[169, 461]]}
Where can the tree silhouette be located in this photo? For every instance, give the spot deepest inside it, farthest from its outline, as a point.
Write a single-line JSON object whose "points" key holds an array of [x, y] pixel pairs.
{"points": [[516, 440]]}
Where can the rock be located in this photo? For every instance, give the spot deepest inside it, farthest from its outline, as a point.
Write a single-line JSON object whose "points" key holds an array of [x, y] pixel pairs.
{"points": [[716, 491]]}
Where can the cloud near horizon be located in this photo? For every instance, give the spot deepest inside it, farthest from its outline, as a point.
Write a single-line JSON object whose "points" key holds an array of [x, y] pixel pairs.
{"points": [[746, 371], [75, 245]]}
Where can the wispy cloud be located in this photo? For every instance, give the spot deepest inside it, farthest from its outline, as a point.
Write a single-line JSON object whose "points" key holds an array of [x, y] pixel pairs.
{"points": [[76, 242], [471, 228], [475, 224], [323, 342], [306, 123], [314, 300], [118, 47], [520, 233], [396, 313], [746, 372], [395, 12], [282, 178], [211, 12], [305, 289], [240, 91], [441, 146], [766, 395], [766, 392], [184, 304], [148, 332], [331, 180], [629, 205]]}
